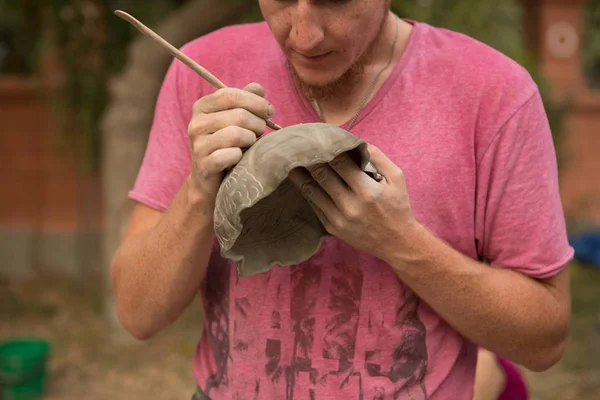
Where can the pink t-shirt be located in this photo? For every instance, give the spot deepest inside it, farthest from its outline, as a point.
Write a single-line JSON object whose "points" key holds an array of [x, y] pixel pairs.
{"points": [[467, 126]]}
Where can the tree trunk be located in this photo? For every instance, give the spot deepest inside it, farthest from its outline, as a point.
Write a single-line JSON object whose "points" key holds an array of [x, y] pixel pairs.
{"points": [[130, 113]]}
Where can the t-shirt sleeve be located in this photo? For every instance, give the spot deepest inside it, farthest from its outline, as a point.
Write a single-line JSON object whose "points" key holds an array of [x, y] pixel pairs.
{"points": [[520, 221], [166, 162]]}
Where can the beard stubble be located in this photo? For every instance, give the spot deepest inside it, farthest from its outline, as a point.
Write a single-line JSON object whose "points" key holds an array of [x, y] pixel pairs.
{"points": [[343, 85]]}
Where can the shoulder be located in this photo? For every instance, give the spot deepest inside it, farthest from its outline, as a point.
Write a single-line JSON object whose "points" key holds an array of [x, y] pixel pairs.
{"points": [[234, 51], [235, 54], [473, 63], [490, 86], [232, 40]]}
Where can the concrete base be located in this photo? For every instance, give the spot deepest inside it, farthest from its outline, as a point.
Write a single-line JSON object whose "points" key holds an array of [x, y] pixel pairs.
{"points": [[73, 255]]}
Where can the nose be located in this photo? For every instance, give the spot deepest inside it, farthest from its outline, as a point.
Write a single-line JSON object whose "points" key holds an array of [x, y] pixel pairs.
{"points": [[306, 33]]}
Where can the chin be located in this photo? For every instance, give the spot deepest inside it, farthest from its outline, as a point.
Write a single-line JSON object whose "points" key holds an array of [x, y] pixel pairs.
{"points": [[317, 77], [318, 80]]}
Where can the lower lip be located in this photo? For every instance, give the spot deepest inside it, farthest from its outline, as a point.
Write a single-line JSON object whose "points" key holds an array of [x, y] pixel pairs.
{"points": [[312, 60]]}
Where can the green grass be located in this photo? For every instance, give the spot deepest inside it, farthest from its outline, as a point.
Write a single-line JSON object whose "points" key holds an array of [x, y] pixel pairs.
{"points": [[585, 293]]}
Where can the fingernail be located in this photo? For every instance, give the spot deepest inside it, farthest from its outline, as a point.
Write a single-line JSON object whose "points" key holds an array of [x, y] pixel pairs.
{"points": [[270, 111]]}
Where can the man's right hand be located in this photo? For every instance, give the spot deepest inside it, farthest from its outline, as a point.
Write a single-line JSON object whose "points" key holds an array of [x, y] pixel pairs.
{"points": [[163, 258], [223, 123]]}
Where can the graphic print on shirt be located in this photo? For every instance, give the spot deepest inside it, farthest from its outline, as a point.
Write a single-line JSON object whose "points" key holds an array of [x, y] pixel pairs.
{"points": [[408, 360], [216, 319], [291, 335], [350, 362], [337, 353], [320, 338]]}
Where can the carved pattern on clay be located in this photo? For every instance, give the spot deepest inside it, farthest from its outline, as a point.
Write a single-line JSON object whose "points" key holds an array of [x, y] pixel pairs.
{"points": [[235, 200]]}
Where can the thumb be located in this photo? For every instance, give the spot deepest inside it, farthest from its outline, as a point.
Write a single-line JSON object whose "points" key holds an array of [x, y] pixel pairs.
{"points": [[255, 88], [383, 164]]}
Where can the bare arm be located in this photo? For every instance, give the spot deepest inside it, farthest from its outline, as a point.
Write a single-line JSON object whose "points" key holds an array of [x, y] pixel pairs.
{"points": [[523, 319], [161, 262], [163, 258]]}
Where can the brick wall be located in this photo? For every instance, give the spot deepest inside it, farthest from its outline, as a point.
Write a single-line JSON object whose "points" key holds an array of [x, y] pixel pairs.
{"points": [[50, 215], [557, 41], [41, 188], [580, 185]]}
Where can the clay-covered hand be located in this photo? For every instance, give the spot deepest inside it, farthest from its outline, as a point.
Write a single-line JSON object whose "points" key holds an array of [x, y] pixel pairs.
{"points": [[374, 217], [223, 123]]}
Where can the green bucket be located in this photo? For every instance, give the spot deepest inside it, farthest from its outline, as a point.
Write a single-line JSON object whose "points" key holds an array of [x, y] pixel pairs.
{"points": [[23, 369]]}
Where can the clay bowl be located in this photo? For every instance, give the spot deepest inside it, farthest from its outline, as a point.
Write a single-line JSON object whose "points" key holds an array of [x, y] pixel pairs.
{"points": [[261, 219]]}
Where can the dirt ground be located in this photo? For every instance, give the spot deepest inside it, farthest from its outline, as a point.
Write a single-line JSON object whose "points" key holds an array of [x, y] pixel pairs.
{"points": [[87, 364]]}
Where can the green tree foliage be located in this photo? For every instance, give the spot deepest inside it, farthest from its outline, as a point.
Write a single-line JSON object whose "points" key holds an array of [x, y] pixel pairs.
{"points": [[497, 23], [591, 44], [18, 45], [93, 44]]}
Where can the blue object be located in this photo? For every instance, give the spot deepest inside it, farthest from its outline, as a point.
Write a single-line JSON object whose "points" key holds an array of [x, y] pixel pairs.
{"points": [[587, 248]]}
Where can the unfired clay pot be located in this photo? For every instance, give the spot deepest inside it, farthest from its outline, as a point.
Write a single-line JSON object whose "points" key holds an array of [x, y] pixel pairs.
{"points": [[261, 219]]}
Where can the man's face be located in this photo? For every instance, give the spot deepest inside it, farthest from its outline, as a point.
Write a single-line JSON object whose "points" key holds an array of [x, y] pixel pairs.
{"points": [[325, 41]]}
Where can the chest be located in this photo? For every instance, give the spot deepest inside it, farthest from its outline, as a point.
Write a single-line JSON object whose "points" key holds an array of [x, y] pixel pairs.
{"points": [[434, 147], [437, 157]]}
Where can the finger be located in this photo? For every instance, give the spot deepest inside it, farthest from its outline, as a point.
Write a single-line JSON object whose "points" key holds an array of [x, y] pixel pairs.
{"points": [[321, 217], [351, 173], [384, 165], [230, 136], [330, 181], [232, 98], [218, 161], [255, 88], [202, 124], [313, 192]]}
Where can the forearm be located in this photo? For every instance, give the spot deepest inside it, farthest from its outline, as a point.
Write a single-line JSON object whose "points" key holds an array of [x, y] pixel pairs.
{"points": [[157, 273], [501, 310]]}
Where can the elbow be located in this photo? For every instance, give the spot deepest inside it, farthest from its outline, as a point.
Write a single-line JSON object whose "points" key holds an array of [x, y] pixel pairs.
{"points": [[131, 322], [546, 357], [137, 332], [127, 314], [140, 335]]}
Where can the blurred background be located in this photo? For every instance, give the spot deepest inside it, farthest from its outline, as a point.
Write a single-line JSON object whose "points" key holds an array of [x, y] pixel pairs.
{"points": [[77, 91]]}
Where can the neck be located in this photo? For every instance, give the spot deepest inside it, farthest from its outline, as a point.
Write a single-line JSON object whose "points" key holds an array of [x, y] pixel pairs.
{"points": [[338, 108], [378, 54]]}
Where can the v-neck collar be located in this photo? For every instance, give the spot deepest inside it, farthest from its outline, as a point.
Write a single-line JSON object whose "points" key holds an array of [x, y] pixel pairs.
{"points": [[310, 115]]}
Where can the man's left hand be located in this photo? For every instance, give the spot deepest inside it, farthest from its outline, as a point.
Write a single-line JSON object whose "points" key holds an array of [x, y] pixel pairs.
{"points": [[374, 217]]}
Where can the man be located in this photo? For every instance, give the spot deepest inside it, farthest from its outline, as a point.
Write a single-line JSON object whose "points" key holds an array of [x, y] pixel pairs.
{"points": [[462, 244]]}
